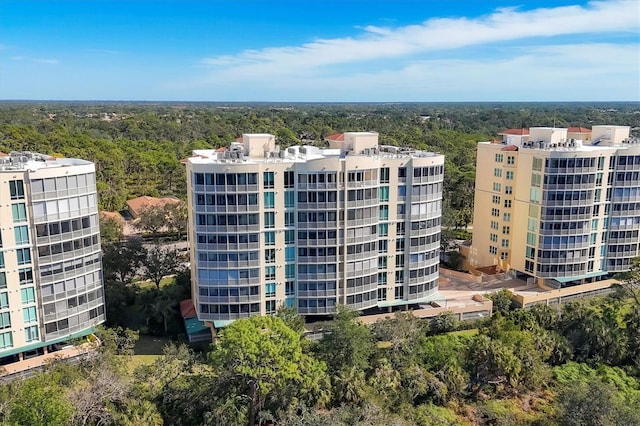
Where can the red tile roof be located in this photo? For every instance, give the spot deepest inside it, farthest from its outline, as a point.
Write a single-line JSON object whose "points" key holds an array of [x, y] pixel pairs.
{"points": [[221, 149], [239, 139], [187, 310], [335, 137], [138, 204], [2, 154], [111, 215], [579, 130], [517, 132], [509, 148]]}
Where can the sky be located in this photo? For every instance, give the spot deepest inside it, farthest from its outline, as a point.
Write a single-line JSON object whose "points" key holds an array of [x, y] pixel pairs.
{"points": [[320, 51]]}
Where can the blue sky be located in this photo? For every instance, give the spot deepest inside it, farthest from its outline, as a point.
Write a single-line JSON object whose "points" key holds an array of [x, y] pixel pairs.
{"points": [[322, 51]]}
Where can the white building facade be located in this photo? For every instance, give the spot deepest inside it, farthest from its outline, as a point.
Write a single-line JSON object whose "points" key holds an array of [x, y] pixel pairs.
{"points": [[51, 287], [356, 224]]}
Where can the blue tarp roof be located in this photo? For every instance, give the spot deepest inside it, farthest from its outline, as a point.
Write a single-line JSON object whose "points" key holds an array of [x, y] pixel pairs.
{"points": [[194, 326]]}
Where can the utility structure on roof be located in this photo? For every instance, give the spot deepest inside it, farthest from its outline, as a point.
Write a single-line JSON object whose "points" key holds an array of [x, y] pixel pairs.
{"points": [[356, 224], [51, 286], [559, 206]]}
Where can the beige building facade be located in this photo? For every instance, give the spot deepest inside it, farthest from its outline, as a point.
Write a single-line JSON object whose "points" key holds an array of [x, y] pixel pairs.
{"points": [[356, 224], [51, 287], [557, 209]]}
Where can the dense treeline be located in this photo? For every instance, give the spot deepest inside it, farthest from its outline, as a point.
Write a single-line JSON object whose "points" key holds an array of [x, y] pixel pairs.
{"points": [[514, 371], [137, 147], [579, 365]]}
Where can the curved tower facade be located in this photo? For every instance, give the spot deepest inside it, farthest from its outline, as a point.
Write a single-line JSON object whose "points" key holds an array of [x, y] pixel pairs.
{"points": [[355, 224], [51, 286]]}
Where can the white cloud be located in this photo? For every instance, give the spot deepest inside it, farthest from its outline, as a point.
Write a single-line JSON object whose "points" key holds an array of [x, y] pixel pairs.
{"points": [[398, 64], [579, 72], [49, 61], [439, 34]]}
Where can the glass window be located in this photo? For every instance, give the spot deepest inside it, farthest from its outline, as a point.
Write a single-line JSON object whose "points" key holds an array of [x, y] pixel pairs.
{"points": [[289, 199], [28, 295], [384, 175], [270, 289], [384, 212], [290, 254], [6, 341], [19, 212], [24, 256], [289, 271], [269, 238], [270, 255], [16, 189], [289, 237], [289, 218], [269, 220], [5, 320], [26, 276], [4, 300], [1, 259], [289, 179], [29, 315], [31, 333], [21, 234], [269, 200], [384, 193], [268, 180], [3, 280], [270, 273]]}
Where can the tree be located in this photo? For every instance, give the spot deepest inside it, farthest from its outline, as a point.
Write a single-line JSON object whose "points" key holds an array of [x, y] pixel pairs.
{"points": [[121, 260], [631, 279], [111, 230], [346, 342], [291, 318], [176, 217], [443, 323], [39, 401], [403, 330], [118, 340], [501, 300], [159, 263], [489, 361], [261, 359], [151, 219], [596, 403]]}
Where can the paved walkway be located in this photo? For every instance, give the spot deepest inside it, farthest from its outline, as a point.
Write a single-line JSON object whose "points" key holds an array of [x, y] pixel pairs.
{"points": [[41, 360]]}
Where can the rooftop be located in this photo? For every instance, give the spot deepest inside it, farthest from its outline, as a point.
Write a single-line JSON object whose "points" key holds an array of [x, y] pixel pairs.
{"points": [[517, 132], [579, 130], [136, 205], [27, 160]]}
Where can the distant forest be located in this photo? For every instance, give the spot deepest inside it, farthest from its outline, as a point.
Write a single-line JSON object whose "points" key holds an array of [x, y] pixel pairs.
{"points": [[137, 147]]}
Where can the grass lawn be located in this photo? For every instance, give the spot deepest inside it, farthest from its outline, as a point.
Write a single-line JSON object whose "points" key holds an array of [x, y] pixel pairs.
{"points": [[150, 345], [147, 350], [464, 333], [138, 360]]}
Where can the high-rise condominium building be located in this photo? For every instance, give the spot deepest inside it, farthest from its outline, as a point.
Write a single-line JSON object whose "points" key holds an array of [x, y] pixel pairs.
{"points": [[50, 266], [356, 224], [558, 205]]}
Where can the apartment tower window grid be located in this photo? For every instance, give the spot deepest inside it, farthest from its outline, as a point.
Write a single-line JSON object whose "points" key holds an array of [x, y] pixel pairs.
{"points": [[571, 203], [355, 224], [51, 286]]}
